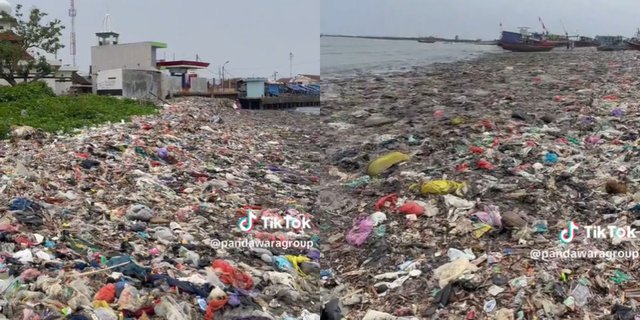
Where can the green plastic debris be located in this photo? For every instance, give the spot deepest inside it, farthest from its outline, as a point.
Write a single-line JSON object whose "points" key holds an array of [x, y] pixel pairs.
{"points": [[380, 231], [357, 183], [378, 166], [619, 277], [140, 151], [573, 141]]}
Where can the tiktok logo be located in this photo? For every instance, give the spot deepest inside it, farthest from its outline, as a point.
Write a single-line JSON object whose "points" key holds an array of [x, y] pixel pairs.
{"points": [[566, 235], [246, 223]]}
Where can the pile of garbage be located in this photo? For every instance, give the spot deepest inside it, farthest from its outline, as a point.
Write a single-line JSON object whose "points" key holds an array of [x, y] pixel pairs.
{"points": [[466, 190], [138, 220]]}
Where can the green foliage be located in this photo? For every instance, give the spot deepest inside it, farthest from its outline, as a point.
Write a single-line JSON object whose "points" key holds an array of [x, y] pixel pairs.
{"points": [[35, 105], [33, 35], [25, 91]]}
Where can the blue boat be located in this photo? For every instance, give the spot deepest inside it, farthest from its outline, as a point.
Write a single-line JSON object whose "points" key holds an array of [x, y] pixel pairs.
{"points": [[511, 37]]}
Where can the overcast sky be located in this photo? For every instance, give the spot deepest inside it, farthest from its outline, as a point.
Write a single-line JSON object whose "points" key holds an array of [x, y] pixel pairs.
{"points": [[256, 36], [478, 18]]}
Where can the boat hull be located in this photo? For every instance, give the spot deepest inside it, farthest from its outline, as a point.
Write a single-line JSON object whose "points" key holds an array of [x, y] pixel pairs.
{"points": [[521, 47], [633, 45]]}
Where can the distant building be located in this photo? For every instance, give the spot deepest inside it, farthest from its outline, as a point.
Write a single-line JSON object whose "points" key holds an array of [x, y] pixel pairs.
{"points": [[133, 70]]}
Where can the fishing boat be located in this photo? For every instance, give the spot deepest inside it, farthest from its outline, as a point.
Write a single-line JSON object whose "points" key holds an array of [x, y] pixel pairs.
{"points": [[612, 43], [634, 43], [523, 42], [527, 47], [584, 42]]}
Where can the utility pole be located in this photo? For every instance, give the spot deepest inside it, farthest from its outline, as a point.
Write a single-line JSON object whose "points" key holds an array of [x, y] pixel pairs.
{"points": [[290, 64], [223, 73]]}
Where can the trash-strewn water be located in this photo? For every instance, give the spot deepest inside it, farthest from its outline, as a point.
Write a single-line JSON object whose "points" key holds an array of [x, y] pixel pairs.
{"points": [[340, 56]]}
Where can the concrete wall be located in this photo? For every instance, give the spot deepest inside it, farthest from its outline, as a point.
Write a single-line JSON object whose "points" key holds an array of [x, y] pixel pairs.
{"points": [[138, 83], [135, 84], [199, 85], [138, 56]]}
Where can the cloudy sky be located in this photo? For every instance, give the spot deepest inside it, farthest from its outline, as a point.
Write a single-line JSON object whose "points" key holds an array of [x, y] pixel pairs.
{"points": [[256, 36], [478, 18]]}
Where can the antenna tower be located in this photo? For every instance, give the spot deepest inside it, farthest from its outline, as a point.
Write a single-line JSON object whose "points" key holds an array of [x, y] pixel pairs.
{"points": [[72, 14]]}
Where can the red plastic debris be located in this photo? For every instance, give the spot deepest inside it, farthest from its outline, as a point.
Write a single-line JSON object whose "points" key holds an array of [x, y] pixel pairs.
{"points": [[390, 199], [486, 165], [83, 155], [213, 306], [438, 114], [487, 124], [24, 241], [462, 167], [147, 126], [471, 315], [411, 207], [562, 140], [232, 276], [476, 150], [558, 98], [496, 142], [611, 97], [106, 293]]}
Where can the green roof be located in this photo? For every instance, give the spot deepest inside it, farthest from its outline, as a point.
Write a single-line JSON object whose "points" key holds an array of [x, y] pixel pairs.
{"points": [[161, 45]]}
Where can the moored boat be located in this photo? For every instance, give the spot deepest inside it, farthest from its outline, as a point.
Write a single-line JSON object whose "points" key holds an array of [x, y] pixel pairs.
{"points": [[527, 47], [523, 42], [612, 43]]}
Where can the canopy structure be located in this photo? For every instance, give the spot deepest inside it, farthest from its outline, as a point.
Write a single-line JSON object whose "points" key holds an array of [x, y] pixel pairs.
{"points": [[181, 68]]}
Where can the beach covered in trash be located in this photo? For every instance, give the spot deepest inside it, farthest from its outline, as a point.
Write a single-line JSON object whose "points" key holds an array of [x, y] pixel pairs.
{"points": [[144, 219], [449, 188]]}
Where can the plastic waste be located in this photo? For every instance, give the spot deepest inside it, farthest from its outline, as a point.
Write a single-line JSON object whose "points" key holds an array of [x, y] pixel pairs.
{"points": [[451, 271], [140, 212], [619, 277], [387, 201], [229, 275], [106, 293], [490, 215], [411, 207], [581, 295], [550, 158], [170, 309], [440, 187], [361, 230], [484, 164], [385, 162], [129, 299]]}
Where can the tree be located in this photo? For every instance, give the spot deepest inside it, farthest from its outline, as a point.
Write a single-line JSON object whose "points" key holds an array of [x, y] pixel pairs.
{"points": [[23, 48]]}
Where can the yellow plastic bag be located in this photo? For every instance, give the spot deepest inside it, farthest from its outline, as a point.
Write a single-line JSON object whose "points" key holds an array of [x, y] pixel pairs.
{"points": [[377, 166], [457, 121], [480, 230], [296, 261], [440, 187]]}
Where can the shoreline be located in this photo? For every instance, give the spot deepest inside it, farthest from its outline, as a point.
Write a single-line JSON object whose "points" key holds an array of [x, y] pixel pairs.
{"points": [[533, 104], [389, 69]]}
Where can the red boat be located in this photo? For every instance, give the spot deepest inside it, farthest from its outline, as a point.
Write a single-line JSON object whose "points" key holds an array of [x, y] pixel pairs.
{"points": [[527, 47]]}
